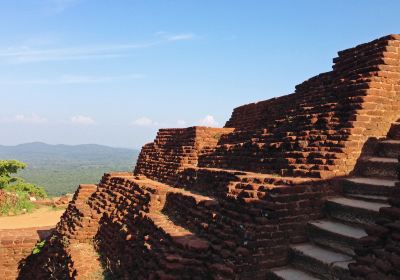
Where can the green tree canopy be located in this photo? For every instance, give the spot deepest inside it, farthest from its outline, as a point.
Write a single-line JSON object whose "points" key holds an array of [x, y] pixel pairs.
{"points": [[11, 183], [8, 167]]}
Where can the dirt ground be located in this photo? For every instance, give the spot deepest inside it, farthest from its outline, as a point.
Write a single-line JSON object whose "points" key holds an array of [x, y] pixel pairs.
{"points": [[44, 216]]}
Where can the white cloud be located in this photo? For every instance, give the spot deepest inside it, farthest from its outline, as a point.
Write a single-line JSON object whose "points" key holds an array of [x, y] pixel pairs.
{"points": [[144, 121], [82, 120], [29, 119], [24, 54], [208, 121], [181, 37], [175, 37]]}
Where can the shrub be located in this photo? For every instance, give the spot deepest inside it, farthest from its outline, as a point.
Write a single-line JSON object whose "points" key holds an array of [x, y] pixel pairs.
{"points": [[15, 184], [28, 188], [15, 202], [38, 247], [15, 192]]}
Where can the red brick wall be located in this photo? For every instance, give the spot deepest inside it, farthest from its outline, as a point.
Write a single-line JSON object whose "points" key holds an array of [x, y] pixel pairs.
{"points": [[15, 246], [77, 223], [175, 149], [320, 129]]}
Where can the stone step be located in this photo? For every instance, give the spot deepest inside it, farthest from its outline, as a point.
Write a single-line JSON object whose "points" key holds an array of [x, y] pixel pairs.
{"points": [[86, 262], [335, 235], [368, 186], [319, 261], [181, 237], [186, 209], [382, 167], [190, 214], [289, 273], [355, 211], [370, 198], [162, 198], [389, 148]]}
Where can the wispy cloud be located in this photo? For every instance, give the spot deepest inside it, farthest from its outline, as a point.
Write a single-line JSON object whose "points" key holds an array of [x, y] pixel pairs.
{"points": [[208, 120], [181, 37], [145, 121], [82, 120], [23, 118], [73, 79], [29, 54], [175, 37]]}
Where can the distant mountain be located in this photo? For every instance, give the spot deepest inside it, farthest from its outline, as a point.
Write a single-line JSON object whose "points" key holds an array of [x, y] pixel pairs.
{"points": [[60, 168], [45, 154]]}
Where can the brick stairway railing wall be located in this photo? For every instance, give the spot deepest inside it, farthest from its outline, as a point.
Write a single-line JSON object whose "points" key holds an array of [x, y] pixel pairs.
{"points": [[15, 245], [77, 224], [175, 149], [378, 256], [52, 262], [319, 130], [133, 246]]}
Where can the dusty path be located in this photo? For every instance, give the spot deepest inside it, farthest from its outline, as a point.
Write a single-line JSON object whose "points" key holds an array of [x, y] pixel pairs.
{"points": [[44, 216]]}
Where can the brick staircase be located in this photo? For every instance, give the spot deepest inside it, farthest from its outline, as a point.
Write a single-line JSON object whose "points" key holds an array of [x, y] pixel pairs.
{"points": [[332, 240]]}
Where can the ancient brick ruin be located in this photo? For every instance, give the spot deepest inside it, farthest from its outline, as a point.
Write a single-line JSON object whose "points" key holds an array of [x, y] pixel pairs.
{"points": [[302, 186]]}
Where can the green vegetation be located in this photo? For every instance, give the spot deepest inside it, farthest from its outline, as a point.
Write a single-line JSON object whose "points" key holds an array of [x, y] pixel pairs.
{"points": [[38, 247], [15, 192], [59, 180], [15, 203], [61, 168]]}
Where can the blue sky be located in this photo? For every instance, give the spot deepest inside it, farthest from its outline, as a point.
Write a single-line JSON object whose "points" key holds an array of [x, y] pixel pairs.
{"points": [[113, 72]]}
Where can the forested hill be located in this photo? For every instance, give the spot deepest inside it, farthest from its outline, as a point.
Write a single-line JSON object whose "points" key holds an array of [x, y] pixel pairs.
{"points": [[60, 168]]}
